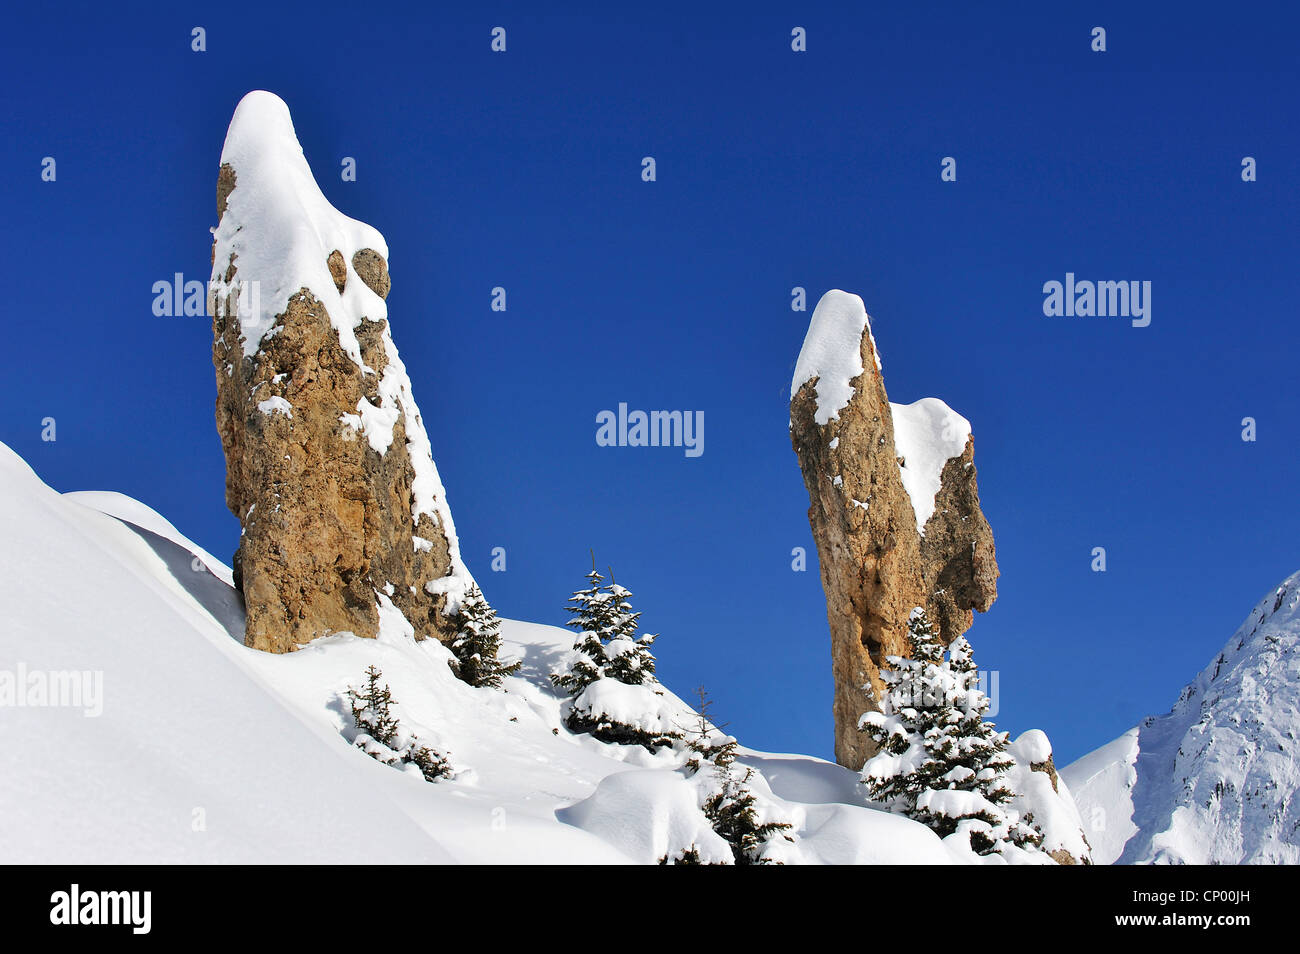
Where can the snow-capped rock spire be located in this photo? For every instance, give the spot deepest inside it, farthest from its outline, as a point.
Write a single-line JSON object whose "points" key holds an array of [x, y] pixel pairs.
{"points": [[895, 509], [328, 465]]}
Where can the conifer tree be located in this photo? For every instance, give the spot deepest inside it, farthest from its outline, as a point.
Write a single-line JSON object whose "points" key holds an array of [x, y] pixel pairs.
{"points": [[687, 856], [591, 612], [730, 807], [607, 645], [628, 655], [608, 653], [380, 735], [940, 762], [700, 737], [431, 765], [477, 643], [371, 712]]}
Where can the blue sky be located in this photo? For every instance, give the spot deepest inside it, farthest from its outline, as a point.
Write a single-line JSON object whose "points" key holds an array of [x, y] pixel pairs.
{"points": [[775, 169]]}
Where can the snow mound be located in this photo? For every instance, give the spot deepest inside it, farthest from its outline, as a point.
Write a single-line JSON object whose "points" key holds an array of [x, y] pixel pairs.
{"points": [[133, 512], [1104, 781], [647, 707], [1214, 780], [927, 434], [832, 352], [1033, 747], [1051, 804], [647, 815]]}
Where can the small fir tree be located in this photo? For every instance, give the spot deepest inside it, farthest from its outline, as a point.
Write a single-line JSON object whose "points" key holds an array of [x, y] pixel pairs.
{"points": [[607, 650], [730, 807], [687, 856], [701, 739], [628, 655], [477, 643], [591, 615], [939, 761], [371, 710], [379, 734], [607, 645]]}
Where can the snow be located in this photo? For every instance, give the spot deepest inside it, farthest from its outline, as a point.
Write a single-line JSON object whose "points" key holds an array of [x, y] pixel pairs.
{"points": [[281, 230], [209, 752], [1033, 747], [1054, 808], [274, 404], [647, 814], [646, 707], [132, 511], [1212, 781], [1103, 781], [832, 352], [927, 434]]}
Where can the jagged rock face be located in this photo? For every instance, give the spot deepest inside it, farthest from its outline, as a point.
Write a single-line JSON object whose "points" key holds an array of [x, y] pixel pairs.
{"points": [[876, 564], [958, 561], [327, 461]]}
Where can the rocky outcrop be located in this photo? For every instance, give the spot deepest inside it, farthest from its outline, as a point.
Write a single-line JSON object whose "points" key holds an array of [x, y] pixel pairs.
{"points": [[894, 510], [328, 466]]}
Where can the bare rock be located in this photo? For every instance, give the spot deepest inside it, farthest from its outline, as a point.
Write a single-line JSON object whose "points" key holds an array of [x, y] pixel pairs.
{"points": [[373, 270], [338, 269]]}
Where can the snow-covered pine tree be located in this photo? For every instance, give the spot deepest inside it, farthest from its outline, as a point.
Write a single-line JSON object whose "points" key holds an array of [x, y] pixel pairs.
{"points": [[978, 762], [372, 715], [610, 678], [940, 762], [731, 814], [591, 612], [477, 643], [904, 767], [628, 655], [380, 735], [607, 645], [730, 806], [430, 763]]}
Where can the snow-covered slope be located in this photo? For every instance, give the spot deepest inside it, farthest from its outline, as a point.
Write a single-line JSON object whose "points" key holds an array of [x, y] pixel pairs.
{"points": [[1214, 780], [188, 747]]}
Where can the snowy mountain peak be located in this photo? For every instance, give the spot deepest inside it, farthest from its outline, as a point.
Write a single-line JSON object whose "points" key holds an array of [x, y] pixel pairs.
{"points": [[1212, 781]]}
